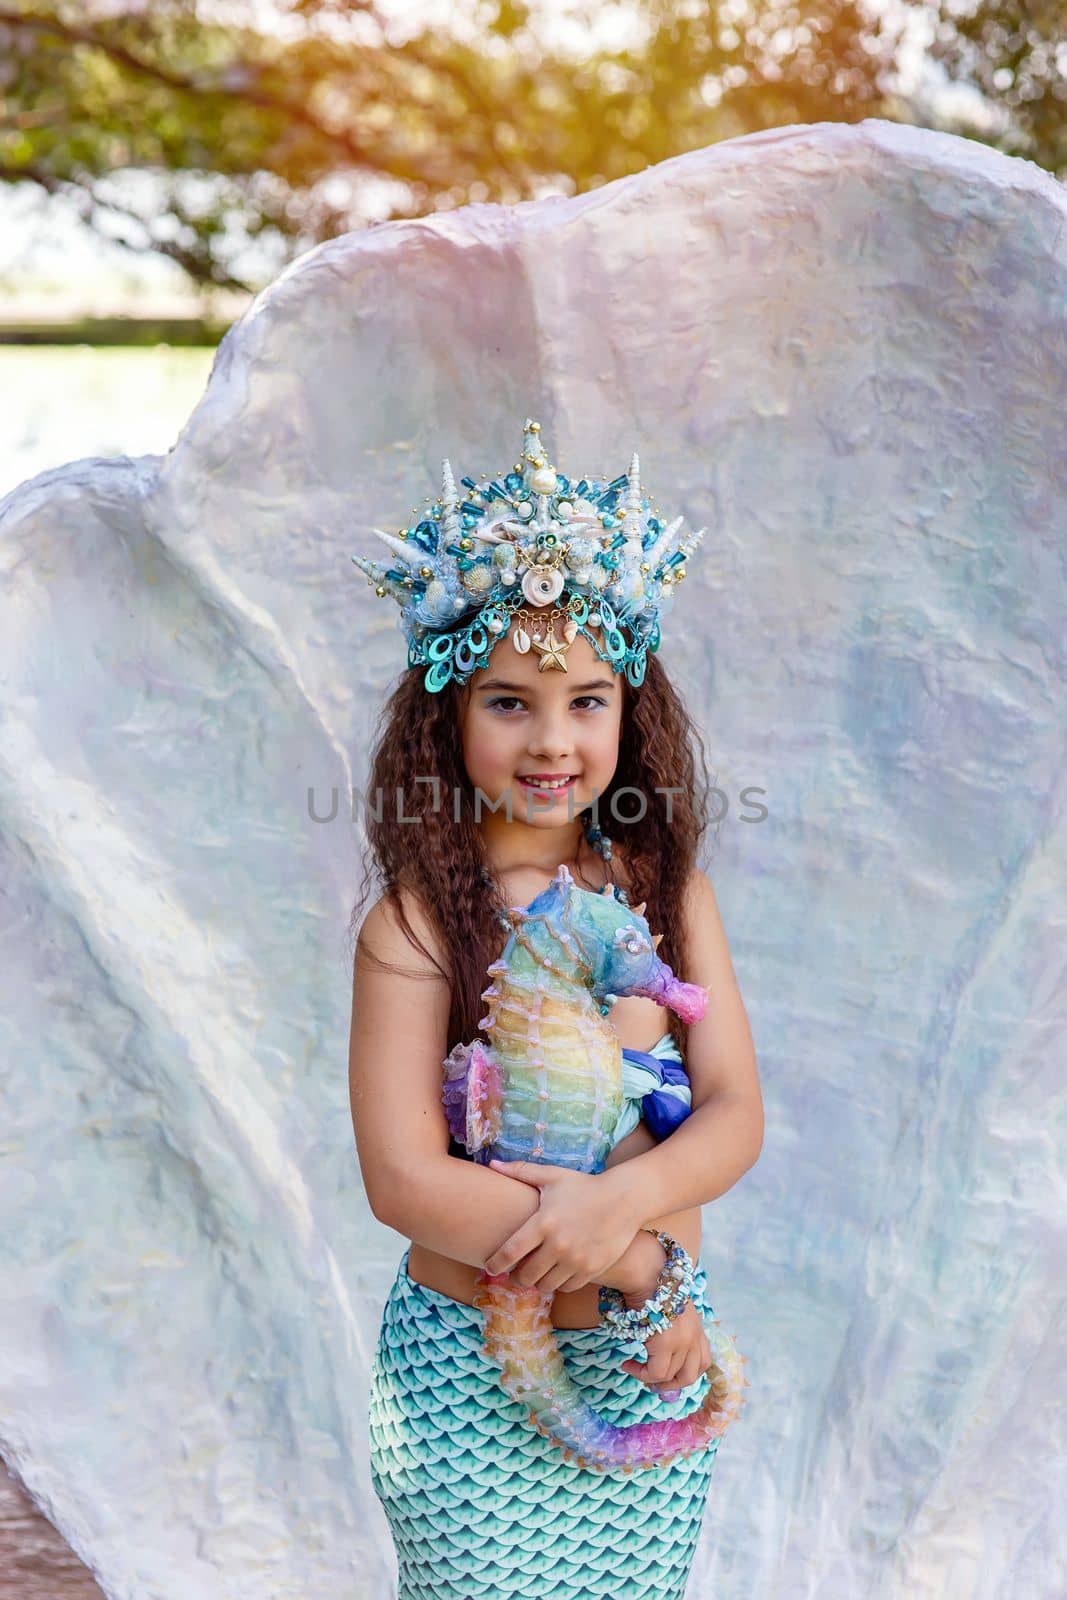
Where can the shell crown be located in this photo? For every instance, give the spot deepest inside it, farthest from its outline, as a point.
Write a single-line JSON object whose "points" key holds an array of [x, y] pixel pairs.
{"points": [[553, 554]]}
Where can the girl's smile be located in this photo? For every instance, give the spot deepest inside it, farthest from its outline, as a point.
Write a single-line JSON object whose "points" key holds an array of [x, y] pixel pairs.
{"points": [[548, 787]]}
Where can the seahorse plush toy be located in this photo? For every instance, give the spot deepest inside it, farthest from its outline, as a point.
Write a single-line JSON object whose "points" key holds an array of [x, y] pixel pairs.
{"points": [[548, 1087]]}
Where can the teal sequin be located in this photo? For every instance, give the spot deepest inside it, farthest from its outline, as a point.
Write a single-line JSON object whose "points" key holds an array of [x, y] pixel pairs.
{"points": [[481, 1505]]}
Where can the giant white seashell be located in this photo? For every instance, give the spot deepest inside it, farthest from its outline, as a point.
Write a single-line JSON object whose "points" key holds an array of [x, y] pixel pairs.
{"points": [[933, 196], [541, 585]]}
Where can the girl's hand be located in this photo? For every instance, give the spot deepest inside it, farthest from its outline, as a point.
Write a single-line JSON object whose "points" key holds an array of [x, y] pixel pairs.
{"points": [[580, 1229], [676, 1355]]}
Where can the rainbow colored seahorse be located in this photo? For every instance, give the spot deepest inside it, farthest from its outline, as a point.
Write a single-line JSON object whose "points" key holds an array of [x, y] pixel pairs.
{"points": [[549, 1087]]}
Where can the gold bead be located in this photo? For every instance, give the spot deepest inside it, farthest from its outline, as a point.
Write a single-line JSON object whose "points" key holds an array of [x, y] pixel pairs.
{"points": [[680, 574], [646, 566], [425, 572], [535, 427], [381, 590], [465, 544]]}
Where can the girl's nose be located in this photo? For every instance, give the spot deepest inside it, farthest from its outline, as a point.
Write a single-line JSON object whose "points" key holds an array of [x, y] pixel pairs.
{"points": [[550, 740]]}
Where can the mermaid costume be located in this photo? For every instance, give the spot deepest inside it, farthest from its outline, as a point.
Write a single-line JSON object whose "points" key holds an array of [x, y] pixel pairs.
{"points": [[547, 1472], [481, 1505]]}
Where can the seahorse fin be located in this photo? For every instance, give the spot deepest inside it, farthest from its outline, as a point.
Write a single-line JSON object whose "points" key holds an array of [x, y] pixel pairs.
{"points": [[485, 1097], [472, 1092]]}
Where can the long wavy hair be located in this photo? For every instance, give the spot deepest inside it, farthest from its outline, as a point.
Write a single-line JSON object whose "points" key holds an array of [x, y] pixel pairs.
{"points": [[439, 858]]}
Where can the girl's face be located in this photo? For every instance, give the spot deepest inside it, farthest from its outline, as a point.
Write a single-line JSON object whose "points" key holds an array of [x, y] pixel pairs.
{"points": [[518, 721]]}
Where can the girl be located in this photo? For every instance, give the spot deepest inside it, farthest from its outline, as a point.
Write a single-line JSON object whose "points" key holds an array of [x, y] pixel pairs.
{"points": [[499, 760]]}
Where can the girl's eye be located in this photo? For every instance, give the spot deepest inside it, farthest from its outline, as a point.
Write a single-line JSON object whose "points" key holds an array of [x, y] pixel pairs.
{"points": [[512, 699]]}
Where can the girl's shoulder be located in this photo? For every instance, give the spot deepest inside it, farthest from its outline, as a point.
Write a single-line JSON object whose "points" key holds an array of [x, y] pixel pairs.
{"points": [[398, 928]]}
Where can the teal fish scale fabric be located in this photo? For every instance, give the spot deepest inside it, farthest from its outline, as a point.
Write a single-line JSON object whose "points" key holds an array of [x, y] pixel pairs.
{"points": [[481, 1505]]}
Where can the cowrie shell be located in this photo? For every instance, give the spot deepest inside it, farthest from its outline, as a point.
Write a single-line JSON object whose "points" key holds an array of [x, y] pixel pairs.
{"points": [[521, 640]]}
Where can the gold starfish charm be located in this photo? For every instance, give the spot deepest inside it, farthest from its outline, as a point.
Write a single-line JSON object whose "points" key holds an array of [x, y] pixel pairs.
{"points": [[552, 652]]}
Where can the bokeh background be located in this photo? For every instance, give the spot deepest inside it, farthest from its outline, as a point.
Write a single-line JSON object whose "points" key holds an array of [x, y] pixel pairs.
{"points": [[161, 163]]}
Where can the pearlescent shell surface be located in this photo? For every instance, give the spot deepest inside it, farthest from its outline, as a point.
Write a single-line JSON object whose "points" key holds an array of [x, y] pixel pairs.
{"points": [[842, 347]]}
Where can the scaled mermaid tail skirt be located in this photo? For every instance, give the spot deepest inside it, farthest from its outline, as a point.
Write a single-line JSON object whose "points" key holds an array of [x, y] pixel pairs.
{"points": [[481, 1505]]}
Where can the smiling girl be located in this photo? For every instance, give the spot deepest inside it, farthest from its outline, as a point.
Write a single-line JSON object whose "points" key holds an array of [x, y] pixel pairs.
{"points": [[520, 737]]}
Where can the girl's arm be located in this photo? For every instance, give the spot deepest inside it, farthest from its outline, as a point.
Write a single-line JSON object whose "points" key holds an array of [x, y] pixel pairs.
{"points": [[397, 1045], [662, 1185], [723, 1135], [685, 1226]]}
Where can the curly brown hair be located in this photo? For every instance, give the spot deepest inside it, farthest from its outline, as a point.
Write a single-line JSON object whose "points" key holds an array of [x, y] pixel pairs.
{"points": [[417, 733]]}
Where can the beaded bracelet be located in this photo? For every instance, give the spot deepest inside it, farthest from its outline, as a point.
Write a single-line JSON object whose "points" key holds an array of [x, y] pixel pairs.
{"points": [[673, 1288]]}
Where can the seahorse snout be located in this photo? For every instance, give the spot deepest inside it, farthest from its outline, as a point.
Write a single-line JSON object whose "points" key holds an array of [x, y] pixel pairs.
{"points": [[687, 1000]]}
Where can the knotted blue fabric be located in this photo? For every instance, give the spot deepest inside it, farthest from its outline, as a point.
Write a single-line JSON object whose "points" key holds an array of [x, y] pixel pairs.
{"points": [[657, 1090]]}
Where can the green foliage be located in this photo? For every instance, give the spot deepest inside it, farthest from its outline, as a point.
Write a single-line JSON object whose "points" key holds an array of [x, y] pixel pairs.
{"points": [[1016, 57], [192, 131]]}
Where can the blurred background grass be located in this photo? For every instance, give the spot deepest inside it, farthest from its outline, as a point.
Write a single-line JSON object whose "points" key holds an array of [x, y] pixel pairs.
{"points": [[65, 402]]}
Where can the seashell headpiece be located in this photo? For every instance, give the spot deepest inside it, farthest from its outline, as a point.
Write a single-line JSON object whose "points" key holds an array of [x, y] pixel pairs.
{"points": [[549, 555]]}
